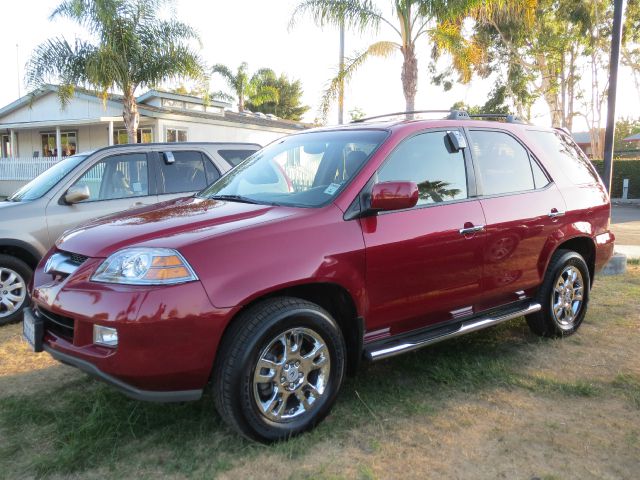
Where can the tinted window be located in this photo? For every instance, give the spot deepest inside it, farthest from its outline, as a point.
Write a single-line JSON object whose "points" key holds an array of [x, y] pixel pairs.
{"points": [[503, 163], [234, 157], [119, 176], [427, 160], [186, 174], [573, 162]]}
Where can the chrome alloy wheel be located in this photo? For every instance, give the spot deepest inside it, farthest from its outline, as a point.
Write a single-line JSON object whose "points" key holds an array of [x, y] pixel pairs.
{"points": [[13, 292], [291, 374], [567, 297]]}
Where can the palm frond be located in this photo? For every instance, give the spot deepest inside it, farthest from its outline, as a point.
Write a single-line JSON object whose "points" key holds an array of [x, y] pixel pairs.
{"points": [[356, 14], [379, 49]]}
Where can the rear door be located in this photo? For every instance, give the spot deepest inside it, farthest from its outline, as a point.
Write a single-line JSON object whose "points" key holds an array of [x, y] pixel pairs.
{"points": [[116, 183], [523, 209], [181, 173], [424, 264]]}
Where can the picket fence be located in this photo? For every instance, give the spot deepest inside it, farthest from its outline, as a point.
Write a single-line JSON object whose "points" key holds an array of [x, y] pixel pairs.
{"points": [[24, 169]]}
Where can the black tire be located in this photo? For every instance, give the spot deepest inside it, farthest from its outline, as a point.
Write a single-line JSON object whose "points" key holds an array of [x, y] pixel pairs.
{"points": [[545, 323], [24, 272], [254, 331]]}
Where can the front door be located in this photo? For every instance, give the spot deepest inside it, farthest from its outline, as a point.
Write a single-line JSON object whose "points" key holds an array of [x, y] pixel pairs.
{"points": [[116, 183], [421, 268]]}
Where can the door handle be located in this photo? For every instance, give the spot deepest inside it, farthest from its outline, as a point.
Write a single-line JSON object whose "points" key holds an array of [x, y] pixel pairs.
{"points": [[555, 213], [467, 230]]}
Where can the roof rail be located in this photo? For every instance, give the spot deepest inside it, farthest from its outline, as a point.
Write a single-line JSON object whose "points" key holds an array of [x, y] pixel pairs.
{"points": [[411, 112], [508, 117]]}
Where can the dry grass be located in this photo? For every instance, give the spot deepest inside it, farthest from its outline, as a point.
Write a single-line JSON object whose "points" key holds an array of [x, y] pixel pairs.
{"points": [[497, 404]]}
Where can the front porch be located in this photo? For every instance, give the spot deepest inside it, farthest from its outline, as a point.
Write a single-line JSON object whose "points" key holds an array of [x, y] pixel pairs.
{"points": [[59, 139]]}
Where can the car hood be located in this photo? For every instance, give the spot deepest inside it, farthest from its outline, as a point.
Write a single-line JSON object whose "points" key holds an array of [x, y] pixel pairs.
{"points": [[170, 224]]}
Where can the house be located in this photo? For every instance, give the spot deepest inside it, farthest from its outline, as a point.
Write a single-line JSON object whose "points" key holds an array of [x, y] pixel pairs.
{"points": [[36, 125], [583, 139]]}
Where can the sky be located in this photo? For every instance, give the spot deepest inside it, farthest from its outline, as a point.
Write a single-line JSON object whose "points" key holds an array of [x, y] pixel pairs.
{"points": [[258, 32]]}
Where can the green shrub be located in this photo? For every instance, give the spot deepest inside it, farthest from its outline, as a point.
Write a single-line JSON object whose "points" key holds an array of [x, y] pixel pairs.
{"points": [[622, 168]]}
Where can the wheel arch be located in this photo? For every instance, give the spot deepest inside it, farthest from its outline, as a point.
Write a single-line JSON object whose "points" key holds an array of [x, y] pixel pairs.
{"points": [[582, 244], [22, 250], [335, 299]]}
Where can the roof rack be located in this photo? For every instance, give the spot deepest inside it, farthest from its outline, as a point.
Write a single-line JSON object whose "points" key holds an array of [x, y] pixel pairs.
{"points": [[451, 115]]}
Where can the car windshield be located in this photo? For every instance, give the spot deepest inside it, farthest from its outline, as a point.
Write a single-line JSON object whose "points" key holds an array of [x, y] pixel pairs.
{"points": [[305, 170], [44, 182]]}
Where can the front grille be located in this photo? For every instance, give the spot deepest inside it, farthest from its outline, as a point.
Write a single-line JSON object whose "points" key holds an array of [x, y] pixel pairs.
{"points": [[77, 258], [58, 324]]}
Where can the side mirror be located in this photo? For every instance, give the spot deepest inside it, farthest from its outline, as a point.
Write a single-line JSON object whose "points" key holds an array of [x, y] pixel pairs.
{"points": [[394, 196], [77, 194]]}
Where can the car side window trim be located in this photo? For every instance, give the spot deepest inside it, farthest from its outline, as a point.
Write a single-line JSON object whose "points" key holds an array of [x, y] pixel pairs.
{"points": [[532, 158]]}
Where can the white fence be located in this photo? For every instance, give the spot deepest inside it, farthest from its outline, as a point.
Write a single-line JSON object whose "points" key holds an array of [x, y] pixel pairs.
{"points": [[24, 169]]}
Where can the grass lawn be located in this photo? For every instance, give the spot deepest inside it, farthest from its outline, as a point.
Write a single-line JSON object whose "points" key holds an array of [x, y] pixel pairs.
{"points": [[500, 403]]}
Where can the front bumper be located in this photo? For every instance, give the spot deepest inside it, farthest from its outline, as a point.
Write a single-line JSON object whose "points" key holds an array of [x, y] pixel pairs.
{"points": [[167, 336], [128, 390]]}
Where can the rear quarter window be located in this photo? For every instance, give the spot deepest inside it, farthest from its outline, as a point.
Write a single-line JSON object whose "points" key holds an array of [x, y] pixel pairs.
{"points": [[559, 148]]}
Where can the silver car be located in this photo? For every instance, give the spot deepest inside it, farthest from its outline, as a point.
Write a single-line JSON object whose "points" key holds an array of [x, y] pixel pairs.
{"points": [[94, 184]]}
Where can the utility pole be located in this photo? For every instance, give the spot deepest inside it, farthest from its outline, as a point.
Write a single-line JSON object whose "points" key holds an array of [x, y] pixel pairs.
{"points": [[618, 10], [18, 68], [341, 72]]}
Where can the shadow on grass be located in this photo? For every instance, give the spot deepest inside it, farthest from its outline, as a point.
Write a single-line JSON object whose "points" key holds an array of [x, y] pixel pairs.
{"points": [[86, 425]]}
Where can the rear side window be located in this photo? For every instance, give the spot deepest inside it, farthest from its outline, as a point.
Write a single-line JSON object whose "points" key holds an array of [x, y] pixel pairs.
{"points": [[186, 174], [429, 161], [573, 162], [504, 164], [234, 157]]}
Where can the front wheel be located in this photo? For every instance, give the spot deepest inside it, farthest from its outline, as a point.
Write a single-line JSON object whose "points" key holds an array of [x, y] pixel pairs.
{"points": [[14, 278], [279, 369], [563, 295]]}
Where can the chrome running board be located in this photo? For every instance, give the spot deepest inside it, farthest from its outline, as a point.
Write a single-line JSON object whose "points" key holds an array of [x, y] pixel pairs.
{"points": [[389, 347]]}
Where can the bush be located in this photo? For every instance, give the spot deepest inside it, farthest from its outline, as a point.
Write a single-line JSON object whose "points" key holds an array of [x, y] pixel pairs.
{"points": [[622, 168]]}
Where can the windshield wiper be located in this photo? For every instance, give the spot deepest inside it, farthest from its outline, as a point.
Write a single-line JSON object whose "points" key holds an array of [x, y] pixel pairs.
{"points": [[234, 198]]}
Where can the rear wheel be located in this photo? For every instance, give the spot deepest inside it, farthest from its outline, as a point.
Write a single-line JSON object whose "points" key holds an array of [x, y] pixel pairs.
{"points": [[564, 296], [279, 369], [14, 278]]}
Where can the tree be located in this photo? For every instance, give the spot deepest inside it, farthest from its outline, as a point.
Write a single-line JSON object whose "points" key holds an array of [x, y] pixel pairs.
{"points": [[439, 20], [130, 49], [287, 103], [253, 89]]}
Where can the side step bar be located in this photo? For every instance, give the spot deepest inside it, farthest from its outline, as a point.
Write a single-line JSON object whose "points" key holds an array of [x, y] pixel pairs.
{"points": [[407, 344]]}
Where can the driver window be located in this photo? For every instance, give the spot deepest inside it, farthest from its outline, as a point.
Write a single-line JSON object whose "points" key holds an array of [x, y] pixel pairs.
{"points": [[428, 160], [120, 176]]}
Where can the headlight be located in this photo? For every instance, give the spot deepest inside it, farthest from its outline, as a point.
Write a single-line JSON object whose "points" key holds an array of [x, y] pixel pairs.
{"points": [[145, 266]]}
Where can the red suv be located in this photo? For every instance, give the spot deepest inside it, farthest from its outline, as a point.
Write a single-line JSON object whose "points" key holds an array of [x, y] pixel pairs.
{"points": [[324, 249]]}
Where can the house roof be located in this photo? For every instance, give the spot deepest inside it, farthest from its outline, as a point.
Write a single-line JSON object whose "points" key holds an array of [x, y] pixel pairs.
{"points": [[178, 96], [632, 138], [145, 109], [582, 137]]}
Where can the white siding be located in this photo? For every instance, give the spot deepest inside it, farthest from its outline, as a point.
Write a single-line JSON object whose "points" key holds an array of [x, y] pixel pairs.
{"points": [[204, 132], [48, 108]]}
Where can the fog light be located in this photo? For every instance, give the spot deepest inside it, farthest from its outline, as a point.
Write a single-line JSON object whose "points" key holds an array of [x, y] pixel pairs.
{"points": [[106, 336]]}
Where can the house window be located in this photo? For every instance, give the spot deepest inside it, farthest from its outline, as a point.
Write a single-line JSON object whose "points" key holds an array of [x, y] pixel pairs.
{"points": [[120, 136], [68, 144], [166, 102], [5, 146], [176, 135]]}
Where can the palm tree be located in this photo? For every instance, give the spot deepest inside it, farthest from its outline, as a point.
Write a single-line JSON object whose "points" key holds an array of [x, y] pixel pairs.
{"points": [[255, 89], [439, 20], [132, 49]]}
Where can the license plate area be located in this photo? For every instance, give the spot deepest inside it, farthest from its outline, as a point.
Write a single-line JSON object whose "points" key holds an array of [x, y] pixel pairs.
{"points": [[33, 330]]}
